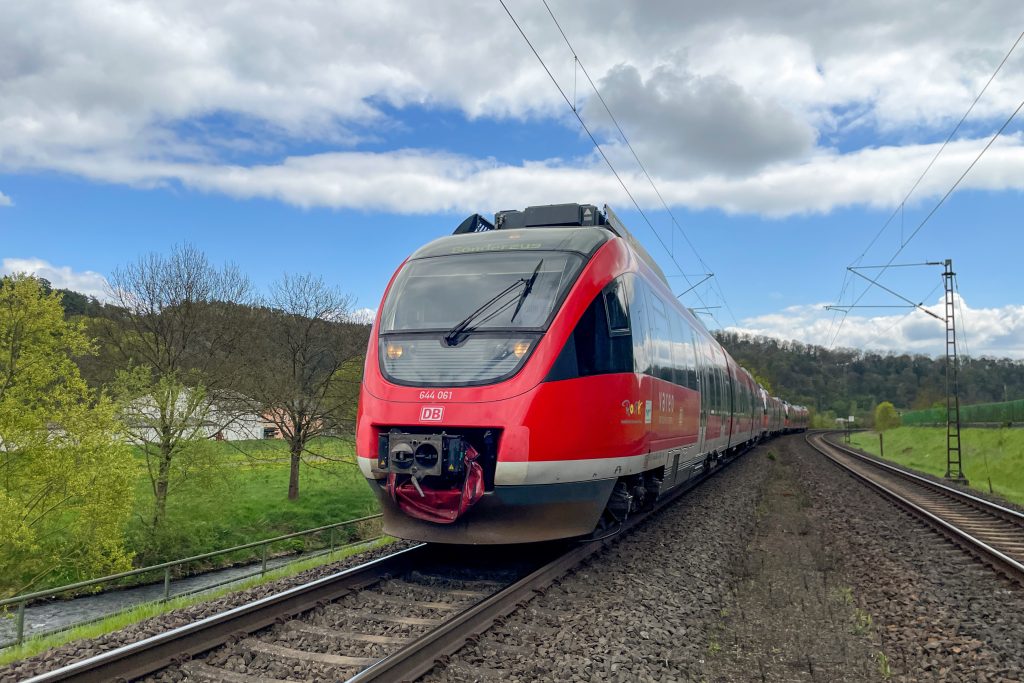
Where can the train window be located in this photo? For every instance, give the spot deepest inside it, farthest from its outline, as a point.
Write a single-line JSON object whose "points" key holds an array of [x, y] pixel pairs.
{"points": [[684, 362], [615, 307], [436, 293], [661, 340], [639, 323], [592, 349]]}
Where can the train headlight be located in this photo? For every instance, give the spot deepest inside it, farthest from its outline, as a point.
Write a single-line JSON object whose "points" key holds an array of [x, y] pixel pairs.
{"points": [[395, 351], [521, 348]]}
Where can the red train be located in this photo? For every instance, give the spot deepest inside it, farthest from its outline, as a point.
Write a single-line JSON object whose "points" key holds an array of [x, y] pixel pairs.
{"points": [[535, 378]]}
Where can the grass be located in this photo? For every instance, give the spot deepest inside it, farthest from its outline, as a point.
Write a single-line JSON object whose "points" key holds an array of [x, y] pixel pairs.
{"points": [[883, 665], [238, 493], [33, 646], [996, 454], [861, 622]]}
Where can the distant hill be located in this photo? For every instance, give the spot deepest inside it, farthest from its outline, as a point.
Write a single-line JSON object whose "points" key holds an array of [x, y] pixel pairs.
{"points": [[846, 381]]}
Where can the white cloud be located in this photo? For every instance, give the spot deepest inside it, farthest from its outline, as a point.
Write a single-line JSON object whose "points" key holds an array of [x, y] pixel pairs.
{"points": [[681, 118], [5, 200], [417, 181], [981, 331], [61, 277], [364, 316], [147, 92]]}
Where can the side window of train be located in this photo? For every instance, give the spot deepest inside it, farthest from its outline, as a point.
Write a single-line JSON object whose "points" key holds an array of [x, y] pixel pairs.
{"points": [[683, 352], [616, 307], [595, 347], [639, 322], [661, 340]]}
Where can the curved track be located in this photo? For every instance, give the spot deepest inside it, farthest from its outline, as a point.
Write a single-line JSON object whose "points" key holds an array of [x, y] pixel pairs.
{"points": [[992, 532], [394, 617]]}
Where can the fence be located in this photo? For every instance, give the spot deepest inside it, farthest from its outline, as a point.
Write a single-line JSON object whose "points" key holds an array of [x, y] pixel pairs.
{"points": [[1003, 414], [167, 568]]}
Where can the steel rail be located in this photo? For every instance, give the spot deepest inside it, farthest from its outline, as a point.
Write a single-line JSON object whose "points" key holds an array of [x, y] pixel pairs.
{"points": [[181, 644], [1012, 568], [178, 645], [423, 654]]}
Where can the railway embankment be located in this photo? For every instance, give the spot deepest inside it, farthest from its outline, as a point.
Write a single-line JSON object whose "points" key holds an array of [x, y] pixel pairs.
{"points": [[81, 649], [936, 612], [990, 456], [646, 609], [780, 568]]}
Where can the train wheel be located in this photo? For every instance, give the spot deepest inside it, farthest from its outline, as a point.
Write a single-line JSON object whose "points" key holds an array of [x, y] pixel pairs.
{"points": [[653, 481], [620, 503]]}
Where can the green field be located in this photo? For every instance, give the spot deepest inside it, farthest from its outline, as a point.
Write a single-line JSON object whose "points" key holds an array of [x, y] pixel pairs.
{"points": [[995, 455], [237, 492]]}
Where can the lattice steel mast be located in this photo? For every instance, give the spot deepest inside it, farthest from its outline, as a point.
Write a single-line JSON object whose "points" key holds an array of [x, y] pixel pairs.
{"points": [[954, 468]]}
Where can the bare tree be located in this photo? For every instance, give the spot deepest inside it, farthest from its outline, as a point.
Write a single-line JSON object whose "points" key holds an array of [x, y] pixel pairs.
{"points": [[305, 364], [174, 342]]}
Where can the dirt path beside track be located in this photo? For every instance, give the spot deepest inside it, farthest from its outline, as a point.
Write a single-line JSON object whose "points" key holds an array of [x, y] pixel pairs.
{"points": [[792, 617]]}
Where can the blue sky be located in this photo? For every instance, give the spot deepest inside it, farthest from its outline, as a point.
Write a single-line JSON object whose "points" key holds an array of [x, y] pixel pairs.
{"points": [[335, 140]]}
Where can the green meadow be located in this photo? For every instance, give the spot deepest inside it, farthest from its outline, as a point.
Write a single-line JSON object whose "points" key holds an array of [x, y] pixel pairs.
{"points": [[989, 455], [235, 492]]}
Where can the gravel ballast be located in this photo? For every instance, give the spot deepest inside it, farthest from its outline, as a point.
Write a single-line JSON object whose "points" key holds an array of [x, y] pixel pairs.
{"points": [[646, 608], [938, 613], [780, 568]]}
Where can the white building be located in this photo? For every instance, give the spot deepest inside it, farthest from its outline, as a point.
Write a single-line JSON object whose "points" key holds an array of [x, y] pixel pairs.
{"points": [[227, 419]]}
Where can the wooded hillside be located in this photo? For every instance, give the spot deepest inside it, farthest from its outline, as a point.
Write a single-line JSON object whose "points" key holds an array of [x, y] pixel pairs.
{"points": [[847, 381]]}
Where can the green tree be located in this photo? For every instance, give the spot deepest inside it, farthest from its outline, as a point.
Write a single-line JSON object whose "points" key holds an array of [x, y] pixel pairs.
{"points": [[175, 325], [66, 476], [304, 364], [886, 418]]}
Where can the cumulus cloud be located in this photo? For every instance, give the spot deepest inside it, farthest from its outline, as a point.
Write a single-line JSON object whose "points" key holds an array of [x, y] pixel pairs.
{"points": [[418, 181], [689, 124], [725, 100], [982, 331], [61, 277]]}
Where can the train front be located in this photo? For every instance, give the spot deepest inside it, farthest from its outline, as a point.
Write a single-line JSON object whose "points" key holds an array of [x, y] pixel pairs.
{"points": [[453, 393]]}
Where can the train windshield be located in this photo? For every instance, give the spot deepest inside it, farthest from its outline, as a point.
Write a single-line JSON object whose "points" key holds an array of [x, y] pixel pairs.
{"points": [[470, 319], [437, 294]]}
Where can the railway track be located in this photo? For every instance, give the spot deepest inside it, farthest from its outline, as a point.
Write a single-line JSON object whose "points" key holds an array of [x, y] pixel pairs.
{"points": [[391, 619], [993, 533]]}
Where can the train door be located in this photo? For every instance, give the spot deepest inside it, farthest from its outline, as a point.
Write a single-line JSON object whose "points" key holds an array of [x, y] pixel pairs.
{"points": [[704, 388], [731, 381], [643, 352]]}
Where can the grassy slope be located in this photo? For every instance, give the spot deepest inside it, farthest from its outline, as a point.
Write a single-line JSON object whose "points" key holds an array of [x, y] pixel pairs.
{"points": [[987, 453], [243, 496]]}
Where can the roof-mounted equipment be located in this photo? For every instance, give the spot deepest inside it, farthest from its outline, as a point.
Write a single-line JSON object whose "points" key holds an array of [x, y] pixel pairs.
{"points": [[559, 216]]}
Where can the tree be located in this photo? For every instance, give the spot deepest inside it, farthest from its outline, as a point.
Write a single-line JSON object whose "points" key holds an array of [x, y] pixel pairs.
{"points": [[304, 365], [886, 418], [175, 327], [66, 477]]}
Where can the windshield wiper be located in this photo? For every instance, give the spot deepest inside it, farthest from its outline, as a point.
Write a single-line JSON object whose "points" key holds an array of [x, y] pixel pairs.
{"points": [[454, 335], [526, 290]]}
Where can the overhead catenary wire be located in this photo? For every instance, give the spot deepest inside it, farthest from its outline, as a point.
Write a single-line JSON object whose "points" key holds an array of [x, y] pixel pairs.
{"points": [[902, 205], [604, 156], [597, 145], [577, 62], [906, 315], [943, 199]]}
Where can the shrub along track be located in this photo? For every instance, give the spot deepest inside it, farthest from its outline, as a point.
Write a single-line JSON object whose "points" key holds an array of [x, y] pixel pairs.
{"points": [[393, 617]]}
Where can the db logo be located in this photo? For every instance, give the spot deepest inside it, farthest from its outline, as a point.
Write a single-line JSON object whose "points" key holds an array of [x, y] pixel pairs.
{"points": [[431, 413]]}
